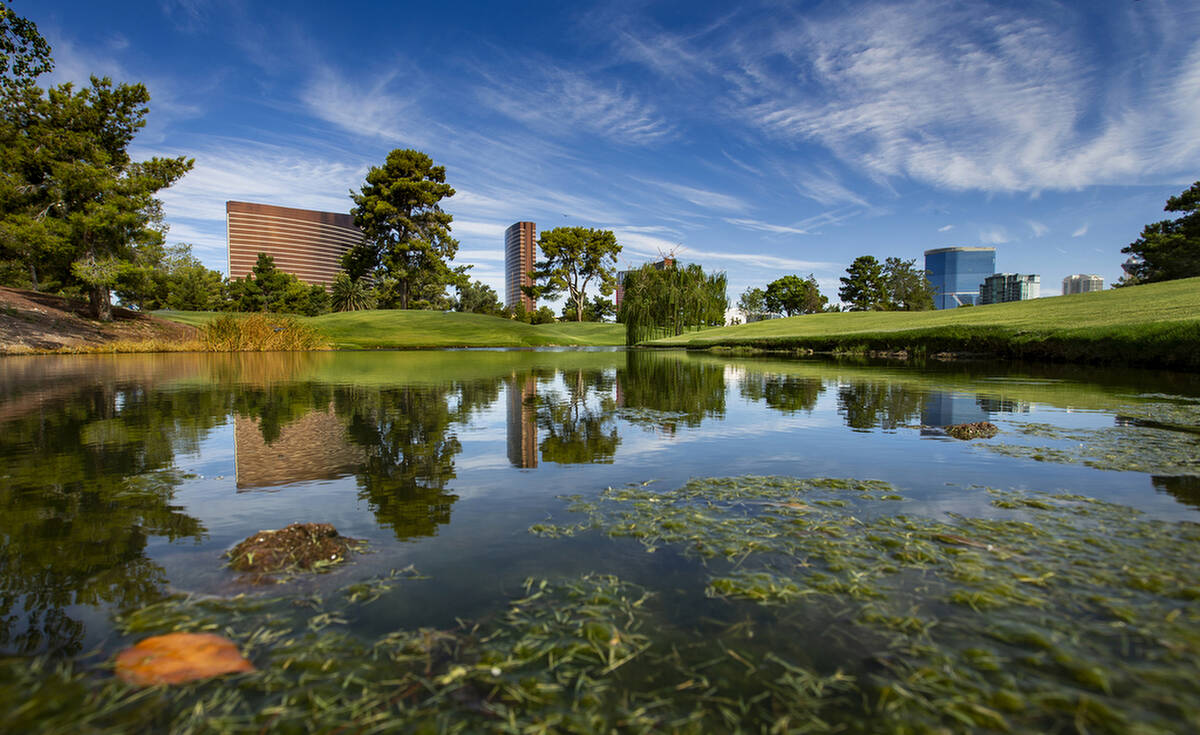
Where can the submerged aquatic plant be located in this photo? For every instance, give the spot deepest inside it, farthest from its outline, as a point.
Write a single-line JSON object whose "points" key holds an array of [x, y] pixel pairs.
{"points": [[1055, 615]]}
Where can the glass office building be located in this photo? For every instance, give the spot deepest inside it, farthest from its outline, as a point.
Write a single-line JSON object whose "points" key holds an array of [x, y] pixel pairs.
{"points": [[956, 274]]}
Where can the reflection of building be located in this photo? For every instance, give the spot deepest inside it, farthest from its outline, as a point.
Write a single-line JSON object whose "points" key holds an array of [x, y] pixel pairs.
{"points": [[305, 243], [947, 409], [956, 273], [519, 241], [619, 294], [313, 447], [1081, 283], [521, 424], [1000, 288]]}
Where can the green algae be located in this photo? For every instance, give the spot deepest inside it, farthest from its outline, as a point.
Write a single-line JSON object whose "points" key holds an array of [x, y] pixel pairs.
{"points": [[1160, 437], [818, 609], [1054, 615]]}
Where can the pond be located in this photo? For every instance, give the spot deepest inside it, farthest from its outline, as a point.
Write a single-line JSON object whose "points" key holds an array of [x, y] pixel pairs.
{"points": [[588, 540]]}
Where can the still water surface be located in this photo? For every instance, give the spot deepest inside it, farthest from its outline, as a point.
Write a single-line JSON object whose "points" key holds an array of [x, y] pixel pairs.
{"points": [[124, 479]]}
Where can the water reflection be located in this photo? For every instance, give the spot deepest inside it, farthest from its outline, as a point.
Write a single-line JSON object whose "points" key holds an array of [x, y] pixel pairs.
{"points": [[521, 421], [86, 483], [579, 419], [90, 447]]}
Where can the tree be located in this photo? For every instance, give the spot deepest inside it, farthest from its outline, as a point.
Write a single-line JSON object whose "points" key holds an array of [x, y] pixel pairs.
{"points": [[661, 303], [907, 288], [406, 235], [863, 285], [168, 278], [793, 295], [74, 206], [350, 294], [266, 288], [753, 303], [574, 256], [478, 298], [1169, 249], [24, 53]]}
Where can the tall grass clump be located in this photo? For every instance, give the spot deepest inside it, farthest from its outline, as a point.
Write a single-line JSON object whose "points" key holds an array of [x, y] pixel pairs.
{"points": [[259, 333]]}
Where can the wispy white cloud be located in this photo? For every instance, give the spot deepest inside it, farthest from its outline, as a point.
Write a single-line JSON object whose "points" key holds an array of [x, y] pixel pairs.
{"points": [[565, 102], [751, 224], [964, 96], [700, 197], [1037, 228], [370, 109], [993, 235], [945, 228], [1080, 231]]}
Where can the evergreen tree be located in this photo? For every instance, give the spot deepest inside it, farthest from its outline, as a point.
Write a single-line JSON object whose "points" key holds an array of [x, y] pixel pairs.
{"points": [[74, 206], [1169, 249], [907, 288], [406, 233], [863, 285]]}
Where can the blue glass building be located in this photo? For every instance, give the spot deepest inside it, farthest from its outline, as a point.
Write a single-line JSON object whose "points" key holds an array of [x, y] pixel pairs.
{"points": [[956, 274]]}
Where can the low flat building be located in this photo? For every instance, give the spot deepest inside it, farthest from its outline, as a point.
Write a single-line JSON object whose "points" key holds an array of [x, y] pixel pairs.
{"points": [[1081, 283], [306, 243], [1000, 288]]}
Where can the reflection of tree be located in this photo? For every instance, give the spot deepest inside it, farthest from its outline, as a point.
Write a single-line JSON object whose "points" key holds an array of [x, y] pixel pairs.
{"points": [[278, 404], [406, 434], [579, 422], [786, 393], [883, 405], [84, 487], [665, 390], [1185, 488]]}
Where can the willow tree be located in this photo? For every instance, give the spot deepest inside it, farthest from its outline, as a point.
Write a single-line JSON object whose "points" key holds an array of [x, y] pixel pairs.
{"points": [[668, 302]]}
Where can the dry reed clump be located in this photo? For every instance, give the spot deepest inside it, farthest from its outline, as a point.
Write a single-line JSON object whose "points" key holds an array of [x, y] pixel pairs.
{"points": [[258, 333]]}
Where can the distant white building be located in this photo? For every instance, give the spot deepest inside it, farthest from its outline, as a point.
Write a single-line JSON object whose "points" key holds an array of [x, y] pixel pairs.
{"points": [[734, 315], [999, 288], [1081, 283]]}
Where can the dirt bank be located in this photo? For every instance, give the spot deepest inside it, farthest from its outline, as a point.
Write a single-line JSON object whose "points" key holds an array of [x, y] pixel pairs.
{"points": [[32, 321]]}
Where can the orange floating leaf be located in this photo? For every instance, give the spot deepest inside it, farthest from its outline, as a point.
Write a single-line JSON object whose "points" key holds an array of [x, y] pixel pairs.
{"points": [[176, 658]]}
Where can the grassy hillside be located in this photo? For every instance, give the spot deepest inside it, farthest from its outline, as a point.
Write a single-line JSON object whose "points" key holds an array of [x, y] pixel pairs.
{"points": [[1156, 325], [400, 329]]}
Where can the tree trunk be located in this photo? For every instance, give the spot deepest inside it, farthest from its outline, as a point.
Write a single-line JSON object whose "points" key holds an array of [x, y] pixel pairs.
{"points": [[101, 304], [33, 276]]}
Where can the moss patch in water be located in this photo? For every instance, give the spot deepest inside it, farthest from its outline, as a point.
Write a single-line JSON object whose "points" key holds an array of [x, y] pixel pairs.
{"points": [[976, 430], [297, 547]]}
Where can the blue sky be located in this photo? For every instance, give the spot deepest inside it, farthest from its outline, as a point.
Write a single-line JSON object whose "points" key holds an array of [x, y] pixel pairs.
{"points": [[756, 138]]}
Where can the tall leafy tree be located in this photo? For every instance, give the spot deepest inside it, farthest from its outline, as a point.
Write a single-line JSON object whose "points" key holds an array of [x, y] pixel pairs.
{"points": [[74, 206], [573, 258], [660, 303], [908, 289], [406, 233], [863, 285], [794, 295], [478, 298], [753, 302], [1169, 249]]}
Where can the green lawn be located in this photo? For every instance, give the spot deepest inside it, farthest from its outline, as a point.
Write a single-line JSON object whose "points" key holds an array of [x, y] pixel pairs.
{"points": [[399, 329], [1156, 324]]}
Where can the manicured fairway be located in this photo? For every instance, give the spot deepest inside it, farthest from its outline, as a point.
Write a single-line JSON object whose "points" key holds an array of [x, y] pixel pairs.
{"points": [[399, 329], [1157, 324]]}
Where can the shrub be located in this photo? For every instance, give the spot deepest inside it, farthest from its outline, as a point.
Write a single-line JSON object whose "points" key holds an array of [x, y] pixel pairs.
{"points": [[259, 333]]}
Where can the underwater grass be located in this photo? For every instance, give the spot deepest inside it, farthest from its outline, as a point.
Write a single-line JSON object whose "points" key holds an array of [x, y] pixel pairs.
{"points": [[1062, 613], [822, 611]]}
